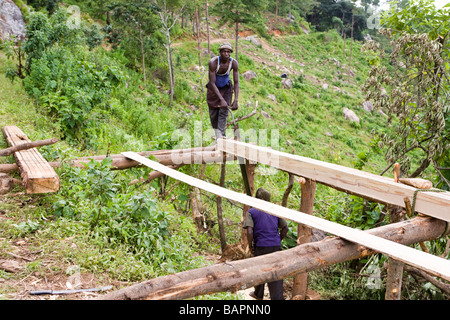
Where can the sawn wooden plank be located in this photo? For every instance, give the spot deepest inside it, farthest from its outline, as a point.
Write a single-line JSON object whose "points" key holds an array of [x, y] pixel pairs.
{"points": [[37, 174], [365, 184]]}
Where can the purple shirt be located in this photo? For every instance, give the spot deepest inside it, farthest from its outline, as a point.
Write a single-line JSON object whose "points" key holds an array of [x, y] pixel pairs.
{"points": [[265, 228]]}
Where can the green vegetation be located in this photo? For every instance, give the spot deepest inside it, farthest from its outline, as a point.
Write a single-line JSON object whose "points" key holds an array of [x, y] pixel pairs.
{"points": [[105, 88]]}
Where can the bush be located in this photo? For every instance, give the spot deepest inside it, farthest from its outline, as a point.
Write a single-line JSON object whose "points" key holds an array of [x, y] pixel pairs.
{"points": [[73, 84]]}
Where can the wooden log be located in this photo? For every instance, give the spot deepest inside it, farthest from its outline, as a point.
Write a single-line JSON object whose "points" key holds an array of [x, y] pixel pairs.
{"points": [[250, 168], [37, 175], [395, 268], [419, 259], [352, 181], [9, 151], [394, 277], [237, 275], [308, 191], [417, 183], [119, 162]]}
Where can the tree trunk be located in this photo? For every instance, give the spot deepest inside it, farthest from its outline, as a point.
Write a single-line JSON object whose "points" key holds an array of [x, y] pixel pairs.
{"points": [[236, 275], [207, 24], [236, 35], [141, 40], [276, 13], [351, 48], [197, 13]]}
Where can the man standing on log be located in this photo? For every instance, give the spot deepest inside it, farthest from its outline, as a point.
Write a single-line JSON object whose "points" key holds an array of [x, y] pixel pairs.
{"points": [[263, 238], [220, 88]]}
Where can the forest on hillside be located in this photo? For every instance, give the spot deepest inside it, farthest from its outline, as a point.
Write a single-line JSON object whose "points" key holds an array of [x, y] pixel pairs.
{"points": [[112, 76]]}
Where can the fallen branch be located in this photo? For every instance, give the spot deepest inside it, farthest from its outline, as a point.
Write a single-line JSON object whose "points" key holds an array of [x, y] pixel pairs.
{"points": [[236, 275], [244, 117], [9, 151], [444, 287]]}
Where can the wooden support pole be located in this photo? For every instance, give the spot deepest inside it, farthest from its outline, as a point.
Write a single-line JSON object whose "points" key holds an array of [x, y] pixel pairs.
{"points": [[240, 274], [223, 241], [395, 268], [308, 191], [250, 168]]}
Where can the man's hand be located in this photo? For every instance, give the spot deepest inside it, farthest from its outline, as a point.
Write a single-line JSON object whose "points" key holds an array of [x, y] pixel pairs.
{"points": [[223, 103], [234, 105]]}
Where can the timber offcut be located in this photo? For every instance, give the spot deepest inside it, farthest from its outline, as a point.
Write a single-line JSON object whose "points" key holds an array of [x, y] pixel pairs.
{"points": [[37, 174]]}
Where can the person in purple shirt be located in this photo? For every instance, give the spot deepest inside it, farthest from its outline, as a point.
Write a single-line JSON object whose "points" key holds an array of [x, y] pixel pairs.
{"points": [[263, 238]]}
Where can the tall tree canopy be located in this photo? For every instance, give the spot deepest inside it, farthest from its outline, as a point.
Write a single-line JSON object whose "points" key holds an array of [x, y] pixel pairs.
{"points": [[415, 91]]}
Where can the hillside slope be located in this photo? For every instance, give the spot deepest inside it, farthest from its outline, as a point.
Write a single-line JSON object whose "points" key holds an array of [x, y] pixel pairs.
{"points": [[308, 118]]}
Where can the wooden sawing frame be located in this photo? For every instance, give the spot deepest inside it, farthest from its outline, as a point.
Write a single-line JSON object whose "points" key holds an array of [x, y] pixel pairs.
{"points": [[433, 264]]}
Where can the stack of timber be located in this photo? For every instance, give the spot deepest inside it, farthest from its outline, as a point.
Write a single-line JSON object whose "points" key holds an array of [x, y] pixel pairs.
{"points": [[37, 174]]}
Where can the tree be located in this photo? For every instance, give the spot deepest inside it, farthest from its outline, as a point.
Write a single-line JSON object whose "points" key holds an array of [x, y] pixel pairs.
{"points": [[416, 90], [322, 16], [136, 21], [168, 19], [241, 12]]}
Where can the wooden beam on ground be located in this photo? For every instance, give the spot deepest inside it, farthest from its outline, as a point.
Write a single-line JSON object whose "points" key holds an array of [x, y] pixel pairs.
{"points": [[37, 174], [422, 260], [241, 274], [353, 181]]}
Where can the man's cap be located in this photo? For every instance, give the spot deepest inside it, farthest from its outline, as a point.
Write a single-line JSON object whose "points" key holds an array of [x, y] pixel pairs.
{"points": [[225, 45]]}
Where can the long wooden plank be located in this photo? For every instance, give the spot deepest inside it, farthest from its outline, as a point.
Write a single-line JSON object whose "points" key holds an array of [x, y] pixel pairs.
{"points": [[433, 264], [378, 188], [37, 174]]}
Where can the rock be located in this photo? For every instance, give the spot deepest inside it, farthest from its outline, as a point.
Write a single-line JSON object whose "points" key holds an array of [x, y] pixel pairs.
{"points": [[367, 37], [284, 75], [11, 20], [265, 114], [10, 266], [287, 83], [6, 183], [368, 106], [350, 115], [325, 86], [336, 61], [272, 97], [249, 75], [253, 40]]}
